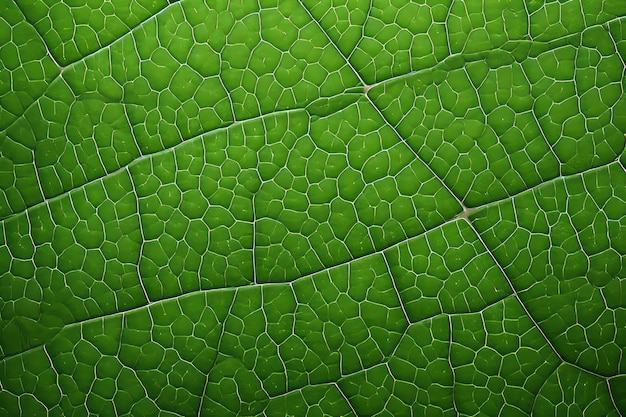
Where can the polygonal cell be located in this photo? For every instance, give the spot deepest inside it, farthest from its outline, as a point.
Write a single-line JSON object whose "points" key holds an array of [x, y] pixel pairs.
{"points": [[349, 186], [172, 79], [88, 374], [500, 360], [570, 391], [473, 123], [25, 67], [171, 76], [68, 260], [29, 384], [248, 368], [196, 214], [19, 184], [417, 380], [283, 337], [562, 246], [412, 36], [132, 98], [323, 399], [350, 313], [341, 21], [77, 28], [446, 270], [400, 39], [289, 60], [617, 388], [553, 19], [578, 100], [77, 132], [481, 26], [171, 347], [81, 131]]}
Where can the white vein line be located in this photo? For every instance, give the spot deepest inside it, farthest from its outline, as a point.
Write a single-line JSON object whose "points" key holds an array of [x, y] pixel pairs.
{"points": [[143, 238], [366, 87], [331, 42], [217, 350], [395, 289], [83, 58], [608, 386], [452, 368], [526, 311], [543, 384], [143, 156], [345, 397], [330, 267]]}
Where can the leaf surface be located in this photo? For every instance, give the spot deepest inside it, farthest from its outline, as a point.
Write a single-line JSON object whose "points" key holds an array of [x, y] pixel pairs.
{"points": [[312, 208]]}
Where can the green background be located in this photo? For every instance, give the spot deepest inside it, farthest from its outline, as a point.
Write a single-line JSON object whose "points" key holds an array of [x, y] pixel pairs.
{"points": [[308, 207]]}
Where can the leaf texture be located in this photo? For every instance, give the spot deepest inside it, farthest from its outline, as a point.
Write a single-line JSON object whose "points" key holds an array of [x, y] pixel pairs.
{"points": [[305, 207]]}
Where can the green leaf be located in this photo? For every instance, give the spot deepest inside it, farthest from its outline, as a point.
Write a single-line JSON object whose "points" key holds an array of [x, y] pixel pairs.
{"points": [[305, 207]]}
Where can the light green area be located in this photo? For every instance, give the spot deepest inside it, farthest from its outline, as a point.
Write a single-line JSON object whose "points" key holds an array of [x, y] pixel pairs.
{"points": [[312, 208]]}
